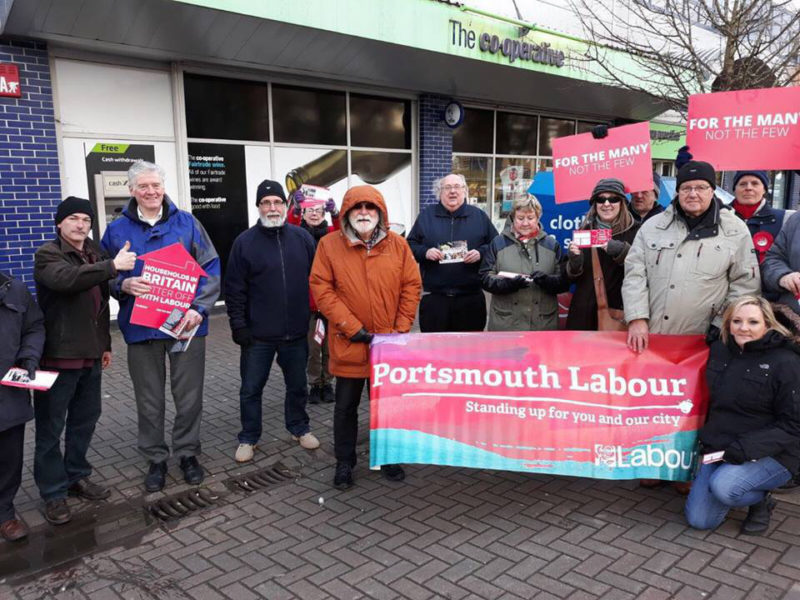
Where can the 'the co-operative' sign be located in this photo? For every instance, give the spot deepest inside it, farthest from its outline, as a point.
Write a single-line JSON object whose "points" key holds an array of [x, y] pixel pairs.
{"points": [[512, 49]]}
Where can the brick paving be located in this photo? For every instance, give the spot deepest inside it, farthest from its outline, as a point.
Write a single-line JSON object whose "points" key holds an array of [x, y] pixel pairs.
{"points": [[443, 533]]}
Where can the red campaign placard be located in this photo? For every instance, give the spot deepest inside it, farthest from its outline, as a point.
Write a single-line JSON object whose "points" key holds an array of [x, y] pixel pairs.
{"points": [[9, 81], [173, 276], [558, 402], [746, 129], [580, 161]]}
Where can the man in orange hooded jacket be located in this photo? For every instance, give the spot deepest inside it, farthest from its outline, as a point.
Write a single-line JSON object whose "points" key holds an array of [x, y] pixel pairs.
{"points": [[365, 281]]}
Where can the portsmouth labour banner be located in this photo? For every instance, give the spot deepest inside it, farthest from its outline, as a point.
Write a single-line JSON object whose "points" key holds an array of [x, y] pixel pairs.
{"points": [[557, 402]]}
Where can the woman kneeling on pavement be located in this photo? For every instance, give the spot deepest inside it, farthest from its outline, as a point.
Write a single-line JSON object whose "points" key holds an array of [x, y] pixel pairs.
{"points": [[753, 376]]}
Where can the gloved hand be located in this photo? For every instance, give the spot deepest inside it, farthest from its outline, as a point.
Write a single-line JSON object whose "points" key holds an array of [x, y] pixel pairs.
{"points": [[734, 454], [362, 336], [242, 337], [510, 285], [330, 206], [712, 335], [600, 131], [552, 284], [297, 211], [575, 262], [614, 248], [30, 365], [683, 156]]}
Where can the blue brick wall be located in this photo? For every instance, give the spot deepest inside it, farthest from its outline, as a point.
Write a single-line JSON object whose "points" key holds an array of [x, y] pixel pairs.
{"points": [[30, 187], [435, 146]]}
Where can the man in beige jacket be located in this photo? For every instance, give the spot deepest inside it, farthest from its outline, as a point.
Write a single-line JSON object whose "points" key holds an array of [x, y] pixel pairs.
{"points": [[687, 263]]}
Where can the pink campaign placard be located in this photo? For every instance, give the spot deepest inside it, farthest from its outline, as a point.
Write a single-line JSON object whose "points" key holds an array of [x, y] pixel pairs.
{"points": [[746, 129], [580, 161]]}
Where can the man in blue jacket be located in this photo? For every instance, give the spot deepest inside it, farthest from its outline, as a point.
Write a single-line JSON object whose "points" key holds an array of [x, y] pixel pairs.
{"points": [[452, 299], [150, 222], [266, 294]]}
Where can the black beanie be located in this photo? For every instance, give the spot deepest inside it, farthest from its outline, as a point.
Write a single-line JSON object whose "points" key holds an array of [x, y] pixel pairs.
{"points": [[72, 205], [269, 188], [696, 169]]}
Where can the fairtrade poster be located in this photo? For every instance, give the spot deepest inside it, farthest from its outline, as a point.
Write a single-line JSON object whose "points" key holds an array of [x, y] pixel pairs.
{"points": [[557, 402], [173, 276], [746, 129], [580, 161]]}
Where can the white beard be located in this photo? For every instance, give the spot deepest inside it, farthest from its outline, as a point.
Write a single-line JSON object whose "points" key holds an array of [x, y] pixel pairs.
{"points": [[364, 226], [272, 221]]}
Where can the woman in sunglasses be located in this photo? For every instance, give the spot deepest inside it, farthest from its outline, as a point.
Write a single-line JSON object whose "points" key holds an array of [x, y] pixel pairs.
{"points": [[609, 211]]}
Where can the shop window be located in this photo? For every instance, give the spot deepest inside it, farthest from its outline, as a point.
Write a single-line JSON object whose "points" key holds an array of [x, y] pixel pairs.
{"points": [[584, 127], [549, 129], [516, 134], [390, 172], [477, 171], [380, 122], [228, 109], [513, 177], [475, 134], [308, 116]]}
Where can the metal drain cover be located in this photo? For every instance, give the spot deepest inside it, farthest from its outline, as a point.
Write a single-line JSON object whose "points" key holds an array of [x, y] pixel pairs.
{"points": [[180, 505], [256, 480]]}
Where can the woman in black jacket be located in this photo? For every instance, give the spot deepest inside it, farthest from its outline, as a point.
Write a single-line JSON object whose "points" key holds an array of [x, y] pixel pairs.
{"points": [[753, 428]]}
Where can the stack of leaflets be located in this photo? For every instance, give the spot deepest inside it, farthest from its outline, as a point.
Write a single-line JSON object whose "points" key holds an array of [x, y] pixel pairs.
{"points": [[175, 326], [17, 377]]}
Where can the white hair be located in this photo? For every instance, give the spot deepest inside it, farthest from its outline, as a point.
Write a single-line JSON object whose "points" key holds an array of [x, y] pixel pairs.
{"points": [[139, 168], [437, 184]]}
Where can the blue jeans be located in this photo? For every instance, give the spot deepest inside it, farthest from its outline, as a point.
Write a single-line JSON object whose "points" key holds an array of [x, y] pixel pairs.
{"points": [[721, 486], [255, 364], [71, 406]]}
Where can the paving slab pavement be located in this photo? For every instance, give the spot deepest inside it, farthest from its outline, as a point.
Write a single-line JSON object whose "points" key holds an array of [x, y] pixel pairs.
{"points": [[443, 533]]}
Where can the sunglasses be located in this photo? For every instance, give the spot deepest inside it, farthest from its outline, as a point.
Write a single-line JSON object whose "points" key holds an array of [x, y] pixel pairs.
{"points": [[604, 199], [367, 205]]}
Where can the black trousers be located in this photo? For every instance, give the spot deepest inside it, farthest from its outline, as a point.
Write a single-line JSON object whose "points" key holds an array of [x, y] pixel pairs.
{"points": [[465, 312], [10, 468], [345, 417]]}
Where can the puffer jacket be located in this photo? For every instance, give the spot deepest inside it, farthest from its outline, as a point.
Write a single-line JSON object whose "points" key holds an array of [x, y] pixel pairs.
{"points": [[783, 258], [682, 281], [75, 328], [22, 332], [175, 226], [753, 399], [376, 289], [530, 308]]}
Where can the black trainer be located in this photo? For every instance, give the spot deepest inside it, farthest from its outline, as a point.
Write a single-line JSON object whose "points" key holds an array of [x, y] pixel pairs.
{"points": [[192, 471], [393, 472], [315, 394], [757, 520], [88, 490], [327, 394], [57, 512], [156, 477], [343, 479]]}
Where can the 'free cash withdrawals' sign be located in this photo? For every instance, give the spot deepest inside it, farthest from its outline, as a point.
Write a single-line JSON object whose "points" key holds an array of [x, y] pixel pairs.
{"points": [[173, 276], [746, 129]]}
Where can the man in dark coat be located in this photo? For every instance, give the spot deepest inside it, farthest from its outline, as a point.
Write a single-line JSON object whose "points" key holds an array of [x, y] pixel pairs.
{"points": [[266, 295], [72, 274], [22, 332], [452, 299]]}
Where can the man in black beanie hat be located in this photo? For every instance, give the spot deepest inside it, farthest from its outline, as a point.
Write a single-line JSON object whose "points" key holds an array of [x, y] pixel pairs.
{"points": [[71, 274]]}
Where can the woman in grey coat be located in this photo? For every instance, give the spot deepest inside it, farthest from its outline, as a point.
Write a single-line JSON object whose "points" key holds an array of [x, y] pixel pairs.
{"points": [[523, 269]]}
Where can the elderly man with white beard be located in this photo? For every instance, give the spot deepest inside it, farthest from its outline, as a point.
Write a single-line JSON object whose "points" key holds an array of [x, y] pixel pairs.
{"points": [[365, 281], [266, 294]]}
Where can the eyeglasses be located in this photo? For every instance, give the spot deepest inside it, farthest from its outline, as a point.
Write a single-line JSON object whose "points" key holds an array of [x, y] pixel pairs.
{"points": [[452, 188], [315, 211], [143, 187], [604, 199], [272, 203], [688, 189]]}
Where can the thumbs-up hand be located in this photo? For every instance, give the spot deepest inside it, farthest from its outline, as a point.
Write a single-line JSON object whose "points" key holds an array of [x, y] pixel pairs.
{"points": [[125, 260]]}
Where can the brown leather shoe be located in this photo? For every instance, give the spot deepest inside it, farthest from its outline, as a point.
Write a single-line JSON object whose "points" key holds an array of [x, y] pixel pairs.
{"points": [[682, 487], [13, 530]]}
